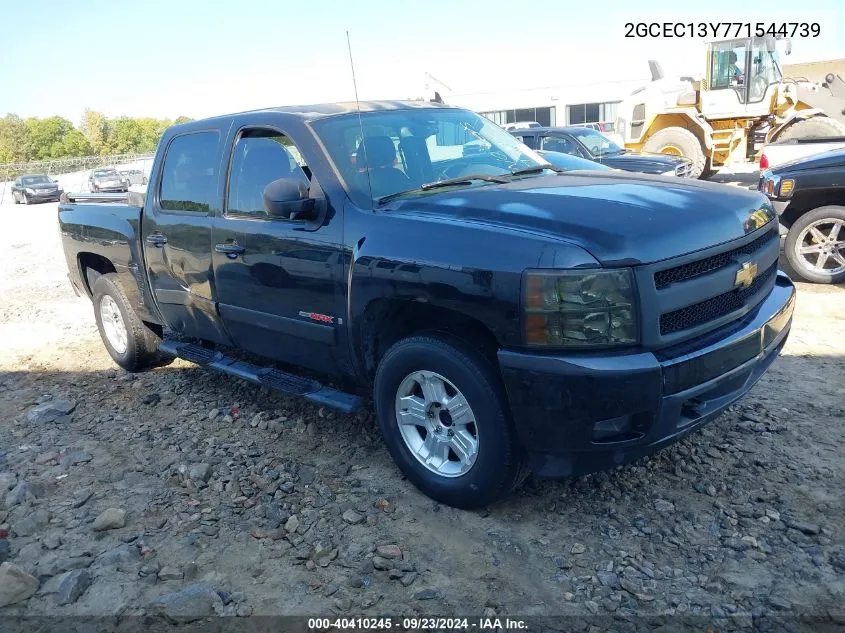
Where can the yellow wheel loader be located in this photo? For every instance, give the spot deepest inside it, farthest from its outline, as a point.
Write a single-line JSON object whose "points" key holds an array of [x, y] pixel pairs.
{"points": [[714, 120]]}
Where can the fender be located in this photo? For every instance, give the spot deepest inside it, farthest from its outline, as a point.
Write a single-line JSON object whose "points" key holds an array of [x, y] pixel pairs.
{"points": [[690, 116], [792, 116]]}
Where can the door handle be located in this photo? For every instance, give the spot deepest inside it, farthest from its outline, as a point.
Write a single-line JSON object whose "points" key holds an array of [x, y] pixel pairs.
{"points": [[156, 240], [230, 249]]}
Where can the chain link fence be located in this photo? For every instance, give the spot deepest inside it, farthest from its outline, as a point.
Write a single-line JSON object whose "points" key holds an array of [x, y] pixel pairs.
{"points": [[71, 173]]}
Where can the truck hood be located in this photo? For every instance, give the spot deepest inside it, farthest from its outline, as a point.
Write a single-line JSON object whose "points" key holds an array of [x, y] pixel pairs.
{"points": [[644, 163], [620, 219], [832, 158]]}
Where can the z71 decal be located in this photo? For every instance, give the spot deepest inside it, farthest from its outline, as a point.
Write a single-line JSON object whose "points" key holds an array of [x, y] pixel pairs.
{"points": [[320, 318]]}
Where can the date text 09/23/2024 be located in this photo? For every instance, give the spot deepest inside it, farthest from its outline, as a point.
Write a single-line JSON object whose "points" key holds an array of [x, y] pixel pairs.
{"points": [[722, 29], [417, 624]]}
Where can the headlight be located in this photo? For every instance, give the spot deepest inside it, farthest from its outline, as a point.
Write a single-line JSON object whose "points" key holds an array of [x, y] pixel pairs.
{"points": [[786, 187], [30, 190], [580, 308]]}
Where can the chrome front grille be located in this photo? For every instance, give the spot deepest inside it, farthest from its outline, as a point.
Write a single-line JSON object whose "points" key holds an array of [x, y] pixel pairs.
{"points": [[683, 170]]}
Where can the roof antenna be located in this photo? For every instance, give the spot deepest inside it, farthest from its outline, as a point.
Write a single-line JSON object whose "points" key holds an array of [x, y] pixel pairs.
{"points": [[362, 146]]}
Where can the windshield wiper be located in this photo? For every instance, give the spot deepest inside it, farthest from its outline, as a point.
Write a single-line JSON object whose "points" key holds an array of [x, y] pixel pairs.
{"points": [[460, 180], [535, 169]]}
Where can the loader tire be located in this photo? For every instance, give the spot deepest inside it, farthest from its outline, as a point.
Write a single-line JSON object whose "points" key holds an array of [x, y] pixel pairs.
{"points": [[681, 142], [817, 127]]}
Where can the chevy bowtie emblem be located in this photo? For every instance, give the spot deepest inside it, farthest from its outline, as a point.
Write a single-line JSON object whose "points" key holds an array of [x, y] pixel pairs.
{"points": [[745, 275]]}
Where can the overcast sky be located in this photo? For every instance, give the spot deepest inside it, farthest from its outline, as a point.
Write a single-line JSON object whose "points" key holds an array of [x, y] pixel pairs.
{"points": [[204, 57]]}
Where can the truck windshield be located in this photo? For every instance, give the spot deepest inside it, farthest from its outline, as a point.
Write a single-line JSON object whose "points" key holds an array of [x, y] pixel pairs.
{"points": [[595, 142], [402, 150]]}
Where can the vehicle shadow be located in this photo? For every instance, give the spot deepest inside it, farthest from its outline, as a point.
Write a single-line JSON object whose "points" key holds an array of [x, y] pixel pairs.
{"points": [[742, 179]]}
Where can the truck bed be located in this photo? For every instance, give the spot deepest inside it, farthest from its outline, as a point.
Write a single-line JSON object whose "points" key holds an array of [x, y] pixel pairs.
{"points": [[782, 152]]}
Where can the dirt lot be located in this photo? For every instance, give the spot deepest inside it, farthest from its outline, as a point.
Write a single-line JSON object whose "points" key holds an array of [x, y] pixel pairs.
{"points": [[259, 504]]}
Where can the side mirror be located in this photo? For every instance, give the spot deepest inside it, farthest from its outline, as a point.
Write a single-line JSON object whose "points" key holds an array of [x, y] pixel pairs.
{"points": [[288, 198]]}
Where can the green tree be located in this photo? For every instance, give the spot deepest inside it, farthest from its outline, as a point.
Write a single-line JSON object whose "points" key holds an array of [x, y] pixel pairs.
{"points": [[14, 140], [75, 144], [124, 136], [94, 128], [47, 137]]}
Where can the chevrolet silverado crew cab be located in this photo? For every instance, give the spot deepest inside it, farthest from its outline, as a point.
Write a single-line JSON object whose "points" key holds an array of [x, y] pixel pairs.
{"points": [[504, 316]]}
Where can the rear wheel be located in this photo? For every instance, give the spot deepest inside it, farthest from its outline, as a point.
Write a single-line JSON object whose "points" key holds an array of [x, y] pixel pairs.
{"points": [[817, 127], [130, 342], [446, 422], [815, 245], [679, 142]]}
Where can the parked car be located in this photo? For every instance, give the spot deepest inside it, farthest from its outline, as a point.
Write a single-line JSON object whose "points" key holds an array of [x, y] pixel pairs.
{"points": [[587, 143], [521, 125], [504, 316], [107, 180], [782, 152], [809, 197], [570, 162], [133, 176], [35, 188]]}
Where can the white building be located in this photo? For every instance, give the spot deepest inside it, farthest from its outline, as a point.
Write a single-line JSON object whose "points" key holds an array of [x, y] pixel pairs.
{"points": [[558, 105]]}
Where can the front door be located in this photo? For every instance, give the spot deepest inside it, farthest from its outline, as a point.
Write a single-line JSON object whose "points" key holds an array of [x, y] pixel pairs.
{"points": [[176, 233], [280, 282], [725, 96]]}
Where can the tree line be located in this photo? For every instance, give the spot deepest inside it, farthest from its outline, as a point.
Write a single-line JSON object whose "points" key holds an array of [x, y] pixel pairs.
{"points": [[31, 139]]}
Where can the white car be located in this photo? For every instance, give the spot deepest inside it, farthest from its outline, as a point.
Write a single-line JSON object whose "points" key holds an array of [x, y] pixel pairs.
{"points": [[520, 125]]}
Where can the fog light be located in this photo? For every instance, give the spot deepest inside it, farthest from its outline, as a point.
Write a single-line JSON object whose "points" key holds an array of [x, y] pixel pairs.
{"points": [[612, 429]]}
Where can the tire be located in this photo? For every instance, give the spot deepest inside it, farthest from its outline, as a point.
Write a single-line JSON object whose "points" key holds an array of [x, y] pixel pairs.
{"points": [[93, 188], [499, 463], [141, 344], [24, 199], [685, 141], [817, 127], [798, 237], [15, 198]]}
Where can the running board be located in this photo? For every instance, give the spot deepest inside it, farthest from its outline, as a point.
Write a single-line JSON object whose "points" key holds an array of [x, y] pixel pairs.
{"points": [[284, 382]]}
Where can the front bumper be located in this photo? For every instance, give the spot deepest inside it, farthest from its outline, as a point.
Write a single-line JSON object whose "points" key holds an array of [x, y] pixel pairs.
{"points": [[44, 197], [655, 397]]}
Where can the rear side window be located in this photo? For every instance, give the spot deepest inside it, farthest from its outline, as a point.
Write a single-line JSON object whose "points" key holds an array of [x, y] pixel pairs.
{"points": [[189, 174]]}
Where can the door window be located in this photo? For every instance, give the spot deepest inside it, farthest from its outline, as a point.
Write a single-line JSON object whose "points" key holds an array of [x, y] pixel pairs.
{"points": [[727, 65], [560, 144], [259, 158], [189, 173]]}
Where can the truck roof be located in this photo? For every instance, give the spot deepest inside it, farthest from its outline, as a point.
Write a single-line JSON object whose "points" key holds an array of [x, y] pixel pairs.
{"points": [[322, 110]]}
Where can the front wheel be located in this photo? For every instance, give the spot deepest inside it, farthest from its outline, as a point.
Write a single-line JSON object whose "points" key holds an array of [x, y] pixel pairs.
{"points": [[445, 419], [677, 141], [129, 341], [815, 245], [24, 198], [16, 198]]}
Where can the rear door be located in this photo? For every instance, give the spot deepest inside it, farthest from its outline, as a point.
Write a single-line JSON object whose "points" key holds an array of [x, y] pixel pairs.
{"points": [[176, 232], [280, 282]]}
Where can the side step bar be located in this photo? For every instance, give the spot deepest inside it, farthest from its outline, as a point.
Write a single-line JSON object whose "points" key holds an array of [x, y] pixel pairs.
{"points": [[281, 381]]}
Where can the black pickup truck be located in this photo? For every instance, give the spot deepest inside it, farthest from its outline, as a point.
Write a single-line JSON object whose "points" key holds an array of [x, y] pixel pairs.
{"points": [[809, 197], [504, 316]]}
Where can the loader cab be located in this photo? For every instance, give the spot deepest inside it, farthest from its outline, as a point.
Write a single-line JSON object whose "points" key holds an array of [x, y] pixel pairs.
{"points": [[742, 79]]}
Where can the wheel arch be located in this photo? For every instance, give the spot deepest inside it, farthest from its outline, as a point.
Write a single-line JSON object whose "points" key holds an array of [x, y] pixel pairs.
{"points": [[386, 321], [686, 119]]}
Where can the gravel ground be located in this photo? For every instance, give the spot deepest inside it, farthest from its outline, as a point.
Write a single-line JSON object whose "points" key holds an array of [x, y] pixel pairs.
{"points": [[181, 491]]}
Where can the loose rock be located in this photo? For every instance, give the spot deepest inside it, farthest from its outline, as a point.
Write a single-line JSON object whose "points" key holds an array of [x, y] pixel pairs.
{"points": [[72, 585], [110, 519], [15, 584]]}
